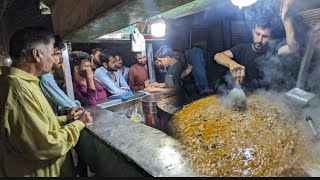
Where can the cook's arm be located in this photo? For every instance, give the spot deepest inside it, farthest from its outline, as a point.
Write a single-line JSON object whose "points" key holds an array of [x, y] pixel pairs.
{"points": [[186, 72], [225, 58], [157, 89], [287, 19], [237, 70]]}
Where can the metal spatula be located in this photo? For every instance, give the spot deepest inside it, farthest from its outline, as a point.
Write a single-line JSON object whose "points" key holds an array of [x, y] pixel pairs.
{"points": [[237, 97]]}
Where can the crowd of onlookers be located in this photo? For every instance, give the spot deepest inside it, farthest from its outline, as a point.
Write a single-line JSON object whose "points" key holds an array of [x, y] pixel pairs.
{"points": [[40, 123], [101, 74]]}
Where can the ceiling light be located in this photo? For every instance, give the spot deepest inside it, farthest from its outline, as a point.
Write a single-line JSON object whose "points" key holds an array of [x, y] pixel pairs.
{"points": [[243, 3], [158, 28], [5, 61]]}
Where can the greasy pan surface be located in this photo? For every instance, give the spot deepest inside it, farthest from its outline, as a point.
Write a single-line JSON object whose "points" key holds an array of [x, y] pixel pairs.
{"points": [[263, 140]]}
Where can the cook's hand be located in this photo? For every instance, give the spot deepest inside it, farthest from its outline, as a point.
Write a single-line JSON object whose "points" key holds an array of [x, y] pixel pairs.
{"points": [[160, 85], [156, 84], [74, 112], [86, 118], [238, 72], [147, 83], [149, 89], [158, 64]]}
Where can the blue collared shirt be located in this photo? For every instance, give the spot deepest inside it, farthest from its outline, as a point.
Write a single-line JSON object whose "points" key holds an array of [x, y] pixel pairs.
{"points": [[104, 78], [56, 97]]}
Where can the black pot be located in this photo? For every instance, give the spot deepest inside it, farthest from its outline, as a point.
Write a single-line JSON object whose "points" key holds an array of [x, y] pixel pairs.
{"points": [[165, 114]]}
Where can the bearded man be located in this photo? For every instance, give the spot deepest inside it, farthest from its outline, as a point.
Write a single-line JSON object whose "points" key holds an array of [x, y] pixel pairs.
{"points": [[108, 75], [138, 73], [86, 89]]}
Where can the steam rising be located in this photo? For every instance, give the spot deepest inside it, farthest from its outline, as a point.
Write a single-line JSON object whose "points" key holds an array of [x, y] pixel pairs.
{"points": [[280, 72], [149, 6]]}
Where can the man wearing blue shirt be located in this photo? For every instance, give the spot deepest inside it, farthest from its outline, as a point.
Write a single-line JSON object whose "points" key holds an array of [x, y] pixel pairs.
{"points": [[109, 76], [55, 96]]}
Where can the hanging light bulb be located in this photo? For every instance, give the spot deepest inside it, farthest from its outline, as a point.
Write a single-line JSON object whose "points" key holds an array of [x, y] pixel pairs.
{"points": [[158, 28], [5, 61], [243, 3]]}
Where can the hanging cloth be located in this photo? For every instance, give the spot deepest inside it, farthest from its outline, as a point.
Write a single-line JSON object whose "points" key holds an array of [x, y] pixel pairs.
{"points": [[138, 42]]}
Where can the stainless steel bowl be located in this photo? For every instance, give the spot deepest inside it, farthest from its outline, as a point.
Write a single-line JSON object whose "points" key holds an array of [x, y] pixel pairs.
{"points": [[151, 110]]}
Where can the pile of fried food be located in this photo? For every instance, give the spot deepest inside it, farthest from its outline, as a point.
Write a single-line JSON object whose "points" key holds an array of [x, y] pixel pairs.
{"points": [[261, 141]]}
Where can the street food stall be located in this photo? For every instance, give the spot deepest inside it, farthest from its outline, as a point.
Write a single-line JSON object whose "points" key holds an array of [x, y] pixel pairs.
{"points": [[201, 138], [160, 135]]}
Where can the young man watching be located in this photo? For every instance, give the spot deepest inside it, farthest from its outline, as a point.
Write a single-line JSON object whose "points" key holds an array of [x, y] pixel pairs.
{"points": [[86, 89], [138, 73], [109, 76], [95, 58], [123, 69], [57, 98]]}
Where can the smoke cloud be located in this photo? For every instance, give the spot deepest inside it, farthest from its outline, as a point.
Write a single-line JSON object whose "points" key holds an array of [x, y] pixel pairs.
{"points": [[279, 72]]}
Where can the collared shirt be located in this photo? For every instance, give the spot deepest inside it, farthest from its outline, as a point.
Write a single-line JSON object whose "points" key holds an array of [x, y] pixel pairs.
{"points": [[34, 142], [137, 76], [125, 73], [56, 97], [104, 78], [88, 96]]}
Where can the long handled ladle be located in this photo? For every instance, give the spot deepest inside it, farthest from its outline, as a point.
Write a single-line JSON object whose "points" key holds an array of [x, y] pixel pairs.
{"points": [[236, 96]]}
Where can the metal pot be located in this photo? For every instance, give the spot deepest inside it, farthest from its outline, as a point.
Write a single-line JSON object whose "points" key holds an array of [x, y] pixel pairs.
{"points": [[151, 111]]}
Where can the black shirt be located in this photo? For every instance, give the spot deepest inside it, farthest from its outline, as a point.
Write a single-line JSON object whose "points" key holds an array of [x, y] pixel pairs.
{"points": [[245, 56], [173, 75], [173, 79], [267, 70]]}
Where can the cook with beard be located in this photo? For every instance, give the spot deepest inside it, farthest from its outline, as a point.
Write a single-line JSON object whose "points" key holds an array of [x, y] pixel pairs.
{"points": [[95, 58], [86, 89], [138, 73], [108, 75], [56, 97], [247, 62]]}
